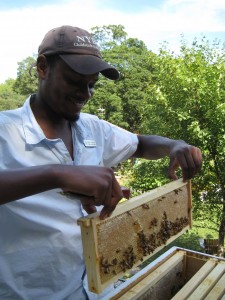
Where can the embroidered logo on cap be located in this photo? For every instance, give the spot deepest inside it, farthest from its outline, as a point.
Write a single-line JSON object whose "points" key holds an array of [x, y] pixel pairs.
{"points": [[85, 41]]}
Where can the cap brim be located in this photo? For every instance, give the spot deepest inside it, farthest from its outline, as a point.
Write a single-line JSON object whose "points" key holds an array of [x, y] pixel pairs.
{"points": [[89, 64]]}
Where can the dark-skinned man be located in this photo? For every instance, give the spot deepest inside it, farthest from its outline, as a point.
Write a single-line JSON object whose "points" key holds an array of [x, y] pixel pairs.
{"points": [[48, 148]]}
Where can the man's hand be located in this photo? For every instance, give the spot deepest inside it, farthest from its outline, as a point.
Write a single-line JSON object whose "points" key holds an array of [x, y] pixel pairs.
{"points": [[89, 207], [188, 157], [95, 185]]}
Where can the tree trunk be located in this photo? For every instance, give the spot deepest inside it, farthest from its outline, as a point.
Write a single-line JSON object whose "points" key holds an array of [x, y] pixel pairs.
{"points": [[221, 236]]}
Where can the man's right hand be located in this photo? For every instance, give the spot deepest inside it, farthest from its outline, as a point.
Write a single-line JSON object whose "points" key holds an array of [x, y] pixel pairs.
{"points": [[95, 185]]}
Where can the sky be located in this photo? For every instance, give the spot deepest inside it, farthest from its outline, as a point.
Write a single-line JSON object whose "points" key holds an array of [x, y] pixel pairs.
{"points": [[24, 23]]}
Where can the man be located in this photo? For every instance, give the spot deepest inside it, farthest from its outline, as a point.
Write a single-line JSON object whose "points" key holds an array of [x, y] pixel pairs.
{"points": [[48, 148]]}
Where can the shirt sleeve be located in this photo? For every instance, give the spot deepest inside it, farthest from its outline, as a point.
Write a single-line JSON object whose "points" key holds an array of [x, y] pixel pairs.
{"points": [[119, 144]]}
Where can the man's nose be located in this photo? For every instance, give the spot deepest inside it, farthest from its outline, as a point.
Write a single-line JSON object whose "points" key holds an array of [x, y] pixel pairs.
{"points": [[85, 92]]}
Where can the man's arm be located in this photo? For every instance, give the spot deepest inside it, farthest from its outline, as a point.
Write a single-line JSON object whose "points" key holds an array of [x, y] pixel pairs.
{"points": [[23, 182], [95, 185], [188, 157]]}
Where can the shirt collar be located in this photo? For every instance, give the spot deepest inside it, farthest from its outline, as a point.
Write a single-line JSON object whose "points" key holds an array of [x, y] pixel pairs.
{"points": [[33, 132]]}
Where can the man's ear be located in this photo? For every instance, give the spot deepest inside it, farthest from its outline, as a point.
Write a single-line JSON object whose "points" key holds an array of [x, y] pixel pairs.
{"points": [[42, 66]]}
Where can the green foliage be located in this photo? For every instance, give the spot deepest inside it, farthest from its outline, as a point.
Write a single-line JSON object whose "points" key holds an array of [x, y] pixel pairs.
{"points": [[131, 58], [106, 104], [189, 240], [26, 82], [146, 175], [8, 98], [107, 37], [189, 92]]}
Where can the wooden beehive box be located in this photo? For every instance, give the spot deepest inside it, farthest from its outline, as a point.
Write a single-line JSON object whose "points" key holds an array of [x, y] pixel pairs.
{"points": [[178, 274], [136, 230]]}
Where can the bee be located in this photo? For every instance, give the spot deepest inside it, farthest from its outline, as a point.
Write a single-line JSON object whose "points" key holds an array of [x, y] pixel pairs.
{"points": [[145, 206]]}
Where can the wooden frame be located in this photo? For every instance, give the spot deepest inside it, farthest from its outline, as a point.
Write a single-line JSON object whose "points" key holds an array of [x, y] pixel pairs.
{"points": [[137, 229]]}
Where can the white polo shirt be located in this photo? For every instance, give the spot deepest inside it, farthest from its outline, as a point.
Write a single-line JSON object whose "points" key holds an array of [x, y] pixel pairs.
{"points": [[40, 244]]}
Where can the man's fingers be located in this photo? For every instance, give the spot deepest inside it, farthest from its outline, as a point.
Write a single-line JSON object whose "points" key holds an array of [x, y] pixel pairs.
{"points": [[89, 208], [111, 203], [106, 212], [126, 192], [172, 168], [88, 204], [190, 161], [197, 159], [117, 193]]}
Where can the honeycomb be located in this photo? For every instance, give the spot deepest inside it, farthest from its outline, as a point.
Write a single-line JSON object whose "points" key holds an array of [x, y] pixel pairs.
{"points": [[126, 240]]}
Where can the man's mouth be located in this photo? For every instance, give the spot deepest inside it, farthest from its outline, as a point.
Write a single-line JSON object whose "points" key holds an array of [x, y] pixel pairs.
{"points": [[76, 101]]}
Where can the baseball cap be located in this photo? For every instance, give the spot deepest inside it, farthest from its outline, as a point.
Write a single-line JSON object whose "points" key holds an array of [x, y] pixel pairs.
{"points": [[78, 50]]}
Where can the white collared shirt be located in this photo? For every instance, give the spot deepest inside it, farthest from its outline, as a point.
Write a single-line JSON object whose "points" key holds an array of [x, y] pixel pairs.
{"points": [[40, 243]]}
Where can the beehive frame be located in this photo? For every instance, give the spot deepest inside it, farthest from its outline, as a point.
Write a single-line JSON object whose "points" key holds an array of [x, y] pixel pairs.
{"points": [[137, 229]]}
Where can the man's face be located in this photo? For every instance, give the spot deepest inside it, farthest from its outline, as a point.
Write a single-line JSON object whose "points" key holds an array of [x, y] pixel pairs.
{"points": [[65, 92]]}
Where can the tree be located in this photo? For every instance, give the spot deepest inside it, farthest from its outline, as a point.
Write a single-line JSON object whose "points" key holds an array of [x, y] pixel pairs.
{"points": [[106, 103], [107, 37], [190, 92], [9, 99], [121, 101], [26, 82]]}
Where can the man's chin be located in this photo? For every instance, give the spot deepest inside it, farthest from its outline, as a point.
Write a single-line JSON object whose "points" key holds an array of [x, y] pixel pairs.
{"points": [[73, 118]]}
